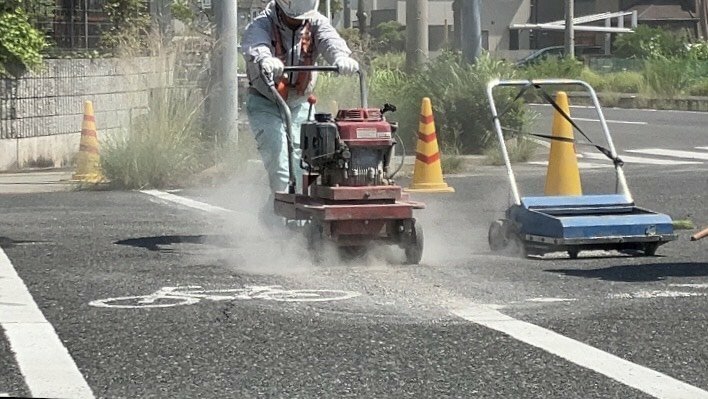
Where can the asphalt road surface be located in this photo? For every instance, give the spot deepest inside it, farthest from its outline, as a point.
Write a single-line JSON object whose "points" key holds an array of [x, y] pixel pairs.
{"points": [[254, 317]]}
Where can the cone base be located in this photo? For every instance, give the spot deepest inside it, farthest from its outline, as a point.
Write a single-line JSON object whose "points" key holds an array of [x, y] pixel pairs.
{"points": [[88, 178], [430, 188]]}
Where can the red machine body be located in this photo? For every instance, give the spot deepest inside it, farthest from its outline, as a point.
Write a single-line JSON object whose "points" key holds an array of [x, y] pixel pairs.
{"points": [[348, 193]]}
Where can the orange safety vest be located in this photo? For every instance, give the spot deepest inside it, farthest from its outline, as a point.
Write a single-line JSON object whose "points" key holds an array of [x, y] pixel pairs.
{"points": [[306, 58]]}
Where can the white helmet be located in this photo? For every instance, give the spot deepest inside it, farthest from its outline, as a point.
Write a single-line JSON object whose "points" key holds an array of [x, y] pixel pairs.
{"points": [[299, 9]]}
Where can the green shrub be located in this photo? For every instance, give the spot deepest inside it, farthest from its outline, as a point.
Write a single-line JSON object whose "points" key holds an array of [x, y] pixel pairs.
{"points": [[700, 88], [389, 36], [389, 61], [698, 51], [334, 87], [21, 44], [625, 82], [597, 81], [458, 94], [647, 42], [520, 149], [162, 149], [668, 76], [554, 67]]}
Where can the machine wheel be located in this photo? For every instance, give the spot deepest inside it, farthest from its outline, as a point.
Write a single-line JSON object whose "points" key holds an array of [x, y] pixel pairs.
{"points": [[650, 248], [498, 236], [352, 252], [414, 247], [315, 240], [573, 253]]}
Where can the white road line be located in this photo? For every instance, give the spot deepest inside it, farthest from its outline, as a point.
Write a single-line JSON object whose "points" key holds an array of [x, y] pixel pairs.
{"points": [[648, 161], [187, 202], [657, 294], [672, 153], [45, 364], [702, 148], [609, 121], [690, 285], [581, 165], [638, 377]]}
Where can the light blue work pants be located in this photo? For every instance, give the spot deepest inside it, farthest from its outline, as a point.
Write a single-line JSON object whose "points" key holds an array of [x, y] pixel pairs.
{"points": [[268, 128]]}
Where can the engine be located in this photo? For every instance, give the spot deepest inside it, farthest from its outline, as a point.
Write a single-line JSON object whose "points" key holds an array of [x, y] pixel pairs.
{"points": [[353, 149]]}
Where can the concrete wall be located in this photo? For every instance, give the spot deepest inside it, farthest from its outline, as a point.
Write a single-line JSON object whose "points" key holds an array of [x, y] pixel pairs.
{"points": [[41, 113]]}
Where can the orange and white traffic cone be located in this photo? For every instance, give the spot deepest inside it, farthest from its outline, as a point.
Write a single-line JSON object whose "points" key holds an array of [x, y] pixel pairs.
{"points": [[427, 174], [563, 176], [88, 161]]}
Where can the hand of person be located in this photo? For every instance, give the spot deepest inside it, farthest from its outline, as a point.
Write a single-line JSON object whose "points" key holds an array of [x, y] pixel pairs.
{"points": [[272, 65], [346, 65]]}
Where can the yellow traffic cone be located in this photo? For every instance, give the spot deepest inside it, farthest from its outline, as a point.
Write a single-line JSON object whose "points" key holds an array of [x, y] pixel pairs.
{"points": [[88, 162], [427, 175], [563, 176]]}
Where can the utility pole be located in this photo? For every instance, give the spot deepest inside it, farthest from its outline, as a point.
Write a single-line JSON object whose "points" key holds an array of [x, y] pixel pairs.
{"points": [[229, 74], [329, 9], [471, 34], [347, 14], [569, 29], [456, 24], [362, 19], [417, 34]]}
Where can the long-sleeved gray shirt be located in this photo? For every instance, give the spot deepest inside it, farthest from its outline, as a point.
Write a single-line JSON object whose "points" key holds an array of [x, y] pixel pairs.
{"points": [[258, 43]]}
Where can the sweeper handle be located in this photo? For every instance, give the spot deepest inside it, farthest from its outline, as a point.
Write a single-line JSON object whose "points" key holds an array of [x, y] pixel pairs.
{"points": [[287, 115]]}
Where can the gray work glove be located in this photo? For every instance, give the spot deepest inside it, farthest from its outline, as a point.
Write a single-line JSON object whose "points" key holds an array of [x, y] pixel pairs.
{"points": [[346, 65], [272, 65]]}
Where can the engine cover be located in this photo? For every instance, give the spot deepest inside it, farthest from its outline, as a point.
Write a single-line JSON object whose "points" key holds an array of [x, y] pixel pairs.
{"points": [[352, 150], [318, 142]]}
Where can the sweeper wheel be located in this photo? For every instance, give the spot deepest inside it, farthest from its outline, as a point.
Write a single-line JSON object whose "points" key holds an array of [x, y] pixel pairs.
{"points": [[498, 236], [414, 247], [650, 248]]}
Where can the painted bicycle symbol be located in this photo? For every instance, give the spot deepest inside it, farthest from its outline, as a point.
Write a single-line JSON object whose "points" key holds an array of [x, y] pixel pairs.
{"points": [[189, 295]]}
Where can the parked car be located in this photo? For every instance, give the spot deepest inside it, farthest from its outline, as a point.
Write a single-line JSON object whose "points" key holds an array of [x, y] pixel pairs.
{"points": [[581, 52]]}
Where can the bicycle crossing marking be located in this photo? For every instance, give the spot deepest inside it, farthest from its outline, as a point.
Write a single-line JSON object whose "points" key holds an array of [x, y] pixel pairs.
{"points": [[190, 295]]}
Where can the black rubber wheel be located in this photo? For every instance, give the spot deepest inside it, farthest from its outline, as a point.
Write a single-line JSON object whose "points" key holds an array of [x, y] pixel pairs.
{"points": [[573, 253], [650, 248], [315, 240], [352, 252], [414, 248], [498, 236], [518, 246]]}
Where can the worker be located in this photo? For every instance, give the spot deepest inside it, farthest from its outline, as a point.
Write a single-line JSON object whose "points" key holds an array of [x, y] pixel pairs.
{"points": [[292, 33]]}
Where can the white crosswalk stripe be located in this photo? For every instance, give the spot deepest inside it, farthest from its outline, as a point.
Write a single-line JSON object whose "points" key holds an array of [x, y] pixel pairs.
{"points": [[672, 153], [651, 156], [581, 165], [643, 160]]}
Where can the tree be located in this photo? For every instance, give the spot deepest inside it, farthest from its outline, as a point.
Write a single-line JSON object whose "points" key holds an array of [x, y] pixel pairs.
{"points": [[21, 44]]}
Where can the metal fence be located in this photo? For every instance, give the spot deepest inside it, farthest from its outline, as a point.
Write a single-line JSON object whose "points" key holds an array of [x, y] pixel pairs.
{"points": [[71, 25]]}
